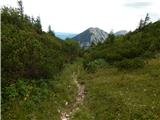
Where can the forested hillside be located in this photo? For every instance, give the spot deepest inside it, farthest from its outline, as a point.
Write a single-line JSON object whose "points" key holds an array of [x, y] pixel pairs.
{"points": [[128, 51], [28, 52], [31, 61]]}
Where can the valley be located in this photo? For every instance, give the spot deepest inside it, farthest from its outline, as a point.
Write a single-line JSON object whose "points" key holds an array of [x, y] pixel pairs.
{"points": [[93, 75]]}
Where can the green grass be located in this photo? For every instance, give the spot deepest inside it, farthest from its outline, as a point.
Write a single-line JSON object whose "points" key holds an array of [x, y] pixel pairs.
{"points": [[112, 94]]}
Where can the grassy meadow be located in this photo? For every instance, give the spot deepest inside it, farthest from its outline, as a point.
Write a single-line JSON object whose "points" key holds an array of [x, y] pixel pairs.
{"points": [[113, 94]]}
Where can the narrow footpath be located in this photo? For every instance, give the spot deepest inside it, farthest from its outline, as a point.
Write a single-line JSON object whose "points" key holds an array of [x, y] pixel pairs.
{"points": [[79, 99]]}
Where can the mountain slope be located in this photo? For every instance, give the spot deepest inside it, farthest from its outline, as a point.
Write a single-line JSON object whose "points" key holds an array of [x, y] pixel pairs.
{"points": [[123, 78], [90, 35], [143, 42], [31, 62]]}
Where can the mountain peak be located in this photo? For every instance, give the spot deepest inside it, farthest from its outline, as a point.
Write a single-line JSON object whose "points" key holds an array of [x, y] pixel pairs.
{"points": [[90, 35], [95, 29]]}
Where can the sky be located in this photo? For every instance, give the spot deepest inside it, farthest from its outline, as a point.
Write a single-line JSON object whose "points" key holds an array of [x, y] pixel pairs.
{"points": [[74, 16]]}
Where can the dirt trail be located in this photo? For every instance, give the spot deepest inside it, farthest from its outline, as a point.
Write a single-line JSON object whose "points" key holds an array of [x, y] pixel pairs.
{"points": [[79, 99]]}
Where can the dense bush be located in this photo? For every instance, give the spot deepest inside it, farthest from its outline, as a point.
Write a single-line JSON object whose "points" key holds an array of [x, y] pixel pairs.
{"points": [[92, 66], [31, 59], [26, 99], [139, 43], [28, 52], [130, 64]]}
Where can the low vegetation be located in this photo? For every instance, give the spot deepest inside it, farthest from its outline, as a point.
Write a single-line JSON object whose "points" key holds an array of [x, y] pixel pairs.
{"points": [[112, 94], [42, 99]]}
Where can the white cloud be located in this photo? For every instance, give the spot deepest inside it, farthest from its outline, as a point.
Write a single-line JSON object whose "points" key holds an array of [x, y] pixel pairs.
{"points": [[138, 4], [77, 15]]}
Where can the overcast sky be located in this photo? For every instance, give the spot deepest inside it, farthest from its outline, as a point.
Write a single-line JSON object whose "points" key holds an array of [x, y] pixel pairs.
{"points": [[77, 15]]}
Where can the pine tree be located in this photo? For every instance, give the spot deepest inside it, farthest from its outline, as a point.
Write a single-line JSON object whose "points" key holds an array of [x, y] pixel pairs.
{"points": [[141, 24], [144, 22], [147, 19], [111, 37], [38, 24], [32, 20], [21, 8], [50, 31]]}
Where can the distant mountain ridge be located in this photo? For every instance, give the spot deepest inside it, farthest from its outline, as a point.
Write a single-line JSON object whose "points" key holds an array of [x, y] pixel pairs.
{"points": [[64, 35], [94, 35], [90, 35], [121, 32]]}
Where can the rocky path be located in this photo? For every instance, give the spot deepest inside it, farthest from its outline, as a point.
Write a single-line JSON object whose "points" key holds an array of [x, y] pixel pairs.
{"points": [[79, 99]]}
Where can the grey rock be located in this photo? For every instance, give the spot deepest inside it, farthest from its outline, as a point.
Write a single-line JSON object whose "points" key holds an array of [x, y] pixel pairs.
{"points": [[90, 35]]}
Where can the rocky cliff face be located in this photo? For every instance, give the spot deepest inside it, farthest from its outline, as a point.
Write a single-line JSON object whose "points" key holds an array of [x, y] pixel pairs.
{"points": [[90, 35]]}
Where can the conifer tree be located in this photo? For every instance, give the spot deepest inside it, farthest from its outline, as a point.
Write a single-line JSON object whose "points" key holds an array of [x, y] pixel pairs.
{"points": [[21, 8], [144, 22], [147, 18], [111, 37], [141, 24], [38, 24], [50, 31]]}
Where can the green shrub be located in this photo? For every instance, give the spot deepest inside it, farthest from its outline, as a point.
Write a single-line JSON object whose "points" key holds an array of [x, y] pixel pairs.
{"points": [[9, 93], [30, 53], [130, 64], [98, 63], [148, 54]]}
